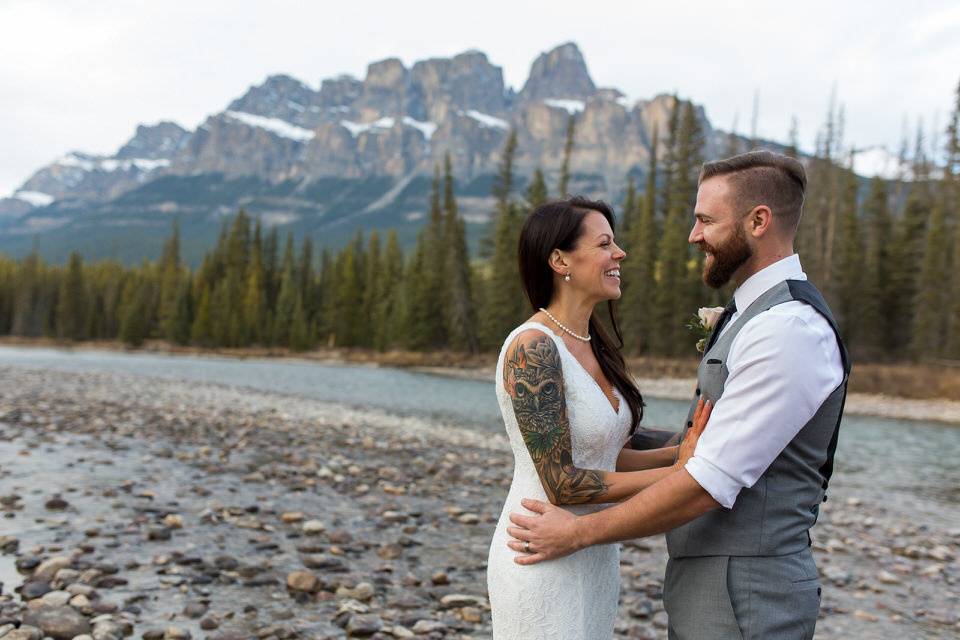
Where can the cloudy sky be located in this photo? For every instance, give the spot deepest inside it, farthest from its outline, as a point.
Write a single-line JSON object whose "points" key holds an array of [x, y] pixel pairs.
{"points": [[80, 75]]}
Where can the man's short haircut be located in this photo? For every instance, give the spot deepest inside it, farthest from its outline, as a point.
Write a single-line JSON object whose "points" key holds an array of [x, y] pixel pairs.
{"points": [[763, 178]]}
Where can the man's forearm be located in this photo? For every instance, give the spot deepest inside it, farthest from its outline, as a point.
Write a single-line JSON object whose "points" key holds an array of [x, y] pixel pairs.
{"points": [[671, 502]]}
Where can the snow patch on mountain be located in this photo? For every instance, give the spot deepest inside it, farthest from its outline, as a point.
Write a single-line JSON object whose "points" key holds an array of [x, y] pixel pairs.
{"points": [[570, 106], [487, 120], [427, 128], [276, 126], [35, 198], [93, 163], [356, 128]]}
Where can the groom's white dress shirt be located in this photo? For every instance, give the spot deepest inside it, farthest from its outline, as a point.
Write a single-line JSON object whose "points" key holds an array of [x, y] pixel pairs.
{"points": [[782, 366]]}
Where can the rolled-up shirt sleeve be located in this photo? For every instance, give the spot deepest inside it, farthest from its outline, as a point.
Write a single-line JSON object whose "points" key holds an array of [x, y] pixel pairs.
{"points": [[782, 366]]}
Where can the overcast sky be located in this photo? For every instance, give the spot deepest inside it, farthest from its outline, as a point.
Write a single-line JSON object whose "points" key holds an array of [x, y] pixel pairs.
{"points": [[80, 75]]}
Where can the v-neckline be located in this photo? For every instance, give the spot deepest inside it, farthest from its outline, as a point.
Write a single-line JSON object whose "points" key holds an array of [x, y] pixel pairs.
{"points": [[616, 410]]}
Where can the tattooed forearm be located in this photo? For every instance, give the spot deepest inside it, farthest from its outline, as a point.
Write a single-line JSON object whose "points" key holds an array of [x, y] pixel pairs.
{"points": [[534, 380]]}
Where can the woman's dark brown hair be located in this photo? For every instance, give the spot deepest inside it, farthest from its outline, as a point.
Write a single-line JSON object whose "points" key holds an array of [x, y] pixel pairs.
{"points": [[558, 225]]}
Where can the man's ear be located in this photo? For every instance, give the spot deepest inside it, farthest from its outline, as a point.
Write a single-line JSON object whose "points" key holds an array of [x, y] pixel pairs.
{"points": [[759, 221], [558, 262]]}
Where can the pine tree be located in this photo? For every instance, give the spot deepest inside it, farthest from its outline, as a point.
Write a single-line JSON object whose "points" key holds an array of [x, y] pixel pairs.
{"points": [[564, 184], [300, 335], [847, 284], [372, 287], [325, 310], [678, 287], [930, 321], [639, 267], [502, 191], [629, 209], [950, 190], [27, 316], [876, 328], [815, 236], [433, 277], [537, 192], [8, 270], [461, 315], [201, 331], [388, 309], [271, 270], [183, 317], [669, 155], [504, 303], [306, 275], [255, 329], [351, 320], [907, 251], [135, 310], [170, 277], [72, 301], [286, 298]]}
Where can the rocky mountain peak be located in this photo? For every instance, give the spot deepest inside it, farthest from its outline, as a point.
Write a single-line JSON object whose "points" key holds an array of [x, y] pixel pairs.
{"points": [[559, 73], [279, 96], [466, 81], [155, 142], [387, 74], [339, 92]]}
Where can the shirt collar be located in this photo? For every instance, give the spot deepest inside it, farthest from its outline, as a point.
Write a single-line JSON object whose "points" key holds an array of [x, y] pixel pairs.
{"points": [[784, 269]]}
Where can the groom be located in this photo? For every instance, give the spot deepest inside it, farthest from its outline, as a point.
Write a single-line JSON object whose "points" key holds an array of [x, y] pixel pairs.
{"points": [[738, 515]]}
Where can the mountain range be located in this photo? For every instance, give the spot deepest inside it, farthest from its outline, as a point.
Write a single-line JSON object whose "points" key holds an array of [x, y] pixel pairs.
{"points": [[352, 154]]}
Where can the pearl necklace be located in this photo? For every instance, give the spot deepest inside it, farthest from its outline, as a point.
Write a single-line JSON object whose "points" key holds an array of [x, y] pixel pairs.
{"points": [[561, 325]]}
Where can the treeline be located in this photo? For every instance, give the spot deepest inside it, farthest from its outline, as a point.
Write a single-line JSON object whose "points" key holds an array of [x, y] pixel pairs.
{"points": [[887, 257]]}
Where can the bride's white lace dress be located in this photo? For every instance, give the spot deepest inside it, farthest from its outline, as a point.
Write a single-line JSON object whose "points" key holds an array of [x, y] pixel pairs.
{"points": [[574, 597]]}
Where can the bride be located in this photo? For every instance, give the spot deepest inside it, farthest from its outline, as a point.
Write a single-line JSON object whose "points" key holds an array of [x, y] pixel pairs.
{"points": [[569, 406]]}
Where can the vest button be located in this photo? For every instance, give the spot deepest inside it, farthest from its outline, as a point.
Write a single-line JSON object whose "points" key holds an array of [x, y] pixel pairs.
{"points": [[698, 390], [689, 424]]}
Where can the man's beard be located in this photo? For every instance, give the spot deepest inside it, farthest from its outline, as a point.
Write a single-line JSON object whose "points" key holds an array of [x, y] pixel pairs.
{"points": [[727, 258]]}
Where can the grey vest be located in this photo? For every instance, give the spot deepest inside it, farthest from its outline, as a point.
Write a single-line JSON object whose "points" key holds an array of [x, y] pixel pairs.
{"points": [[772, 517]]}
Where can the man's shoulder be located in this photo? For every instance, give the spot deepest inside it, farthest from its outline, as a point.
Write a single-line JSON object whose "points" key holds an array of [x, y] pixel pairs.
{"points": [[789, 322]]}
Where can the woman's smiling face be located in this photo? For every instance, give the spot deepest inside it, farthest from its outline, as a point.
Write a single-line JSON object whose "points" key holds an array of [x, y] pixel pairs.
{"points": [[594, 264]]}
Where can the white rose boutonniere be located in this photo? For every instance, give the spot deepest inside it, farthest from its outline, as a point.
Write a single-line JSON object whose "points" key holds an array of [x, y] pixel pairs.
{"points": [[703, 323]]}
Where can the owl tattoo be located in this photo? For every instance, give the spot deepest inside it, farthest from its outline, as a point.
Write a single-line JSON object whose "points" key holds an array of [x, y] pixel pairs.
{"points": [[534, 379]]}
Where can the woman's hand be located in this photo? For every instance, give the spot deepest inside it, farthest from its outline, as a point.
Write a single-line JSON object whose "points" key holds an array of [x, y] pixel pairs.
{"points": [[689, 444]]}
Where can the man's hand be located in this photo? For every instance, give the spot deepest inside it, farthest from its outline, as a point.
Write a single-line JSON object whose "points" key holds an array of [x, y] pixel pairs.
{"points": [[553, 533]]}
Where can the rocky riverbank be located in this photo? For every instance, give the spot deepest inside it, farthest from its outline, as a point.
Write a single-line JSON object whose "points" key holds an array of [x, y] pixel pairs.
{"points": [[164, 509]]}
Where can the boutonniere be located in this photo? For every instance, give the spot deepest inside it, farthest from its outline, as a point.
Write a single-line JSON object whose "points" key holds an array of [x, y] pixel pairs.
{"points": [[703, 323]]}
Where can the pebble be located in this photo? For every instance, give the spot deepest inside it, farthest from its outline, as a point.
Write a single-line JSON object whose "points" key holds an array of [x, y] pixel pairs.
{"points": [[25, 632], [173, 521], [56, 598], [363, 625], [423, 627], [302, 581], [363, 592], [46, 570], [313, 527], [56, 503], [158, 533], [60, 623]]}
